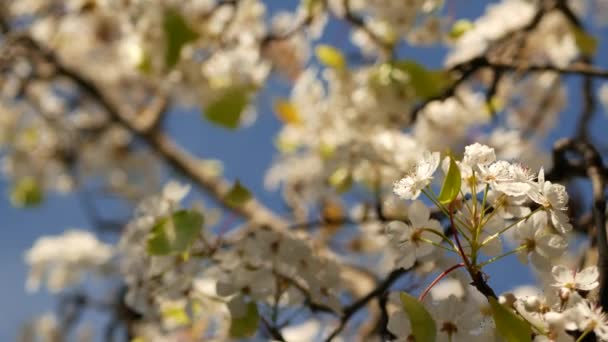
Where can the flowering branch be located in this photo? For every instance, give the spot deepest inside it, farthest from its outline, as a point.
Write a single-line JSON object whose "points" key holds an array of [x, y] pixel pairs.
{"points": [[177, 157]]}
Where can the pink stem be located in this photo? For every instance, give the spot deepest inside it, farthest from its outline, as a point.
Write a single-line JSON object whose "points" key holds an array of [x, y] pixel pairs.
{"points": [[439, 277], [455, 232]]}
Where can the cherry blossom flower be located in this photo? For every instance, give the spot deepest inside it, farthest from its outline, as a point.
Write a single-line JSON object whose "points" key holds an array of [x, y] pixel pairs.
{"points": [[419, 177], [554, 199], [63, 260], [399, 324], [589, 317], [478, 154], [570, 280], [412, 240], [455, 319], [539, 245]]}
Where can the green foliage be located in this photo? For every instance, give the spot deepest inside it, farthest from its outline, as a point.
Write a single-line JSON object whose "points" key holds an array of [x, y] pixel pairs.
{"points": [[423, 324], [246, 325], [145, 64], [177, 34], [330, 57], [227, 109], [509, 326], [451, 184], [585, 42], [177, 314], [341, 179], [175, 233], [460, 27], [26, 193], [238, 195], [426, 83]]}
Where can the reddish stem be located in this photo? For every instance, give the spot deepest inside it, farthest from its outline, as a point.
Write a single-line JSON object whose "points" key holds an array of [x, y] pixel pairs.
{"points": [[439, 277], [223, 229], [455, 232]]}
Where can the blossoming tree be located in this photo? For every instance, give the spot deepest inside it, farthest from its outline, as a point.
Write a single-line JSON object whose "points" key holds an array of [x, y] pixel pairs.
{"points": [[401, 183]]}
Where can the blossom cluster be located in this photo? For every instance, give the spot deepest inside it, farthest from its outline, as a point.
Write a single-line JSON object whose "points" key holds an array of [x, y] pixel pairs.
{"points": [[494, 198]]}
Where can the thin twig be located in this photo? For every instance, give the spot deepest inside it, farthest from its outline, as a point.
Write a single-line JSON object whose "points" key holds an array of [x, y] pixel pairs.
{"points": [[379, 290]]}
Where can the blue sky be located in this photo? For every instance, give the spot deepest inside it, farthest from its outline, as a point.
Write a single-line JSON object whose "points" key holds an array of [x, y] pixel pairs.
{"points": [[246, 153]]}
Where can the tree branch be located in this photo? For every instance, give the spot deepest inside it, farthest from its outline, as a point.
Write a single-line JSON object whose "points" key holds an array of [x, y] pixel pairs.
{"points": [[595, 171], [378, 291], [162, 144]]}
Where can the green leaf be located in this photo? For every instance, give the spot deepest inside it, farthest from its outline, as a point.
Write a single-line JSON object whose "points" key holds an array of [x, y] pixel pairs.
{"points": [[423, 324], [246, 325], [177, 34], [187, 225], [176, 314], [227, 109], [509, 326], [145, 64], [158, 242], [175, 234], [426, 83], [26, 193], [460, 27], [330, 56], [238, 195], [341, 179], [451, 183], [585, 42]]}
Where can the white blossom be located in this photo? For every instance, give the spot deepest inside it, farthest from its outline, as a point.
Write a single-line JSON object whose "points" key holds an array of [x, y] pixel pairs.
{"points": [[63, 260], [418, 178], [539, 245], [554, 199], [413, 240], [571, 280]]}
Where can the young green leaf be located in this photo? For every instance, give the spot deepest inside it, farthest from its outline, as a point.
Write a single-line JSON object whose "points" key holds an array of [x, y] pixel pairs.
{"points": [[175, 234], [451, 183], [238, 195], [426, 83], [509, 326], [227, 109], [158, 241], [341, 179], [187, 224], [246, 325], [585, 42], [145, 64], [330, 56], [460, 27], [177, 34], [26, 193], [423, 324], [176, 315]]}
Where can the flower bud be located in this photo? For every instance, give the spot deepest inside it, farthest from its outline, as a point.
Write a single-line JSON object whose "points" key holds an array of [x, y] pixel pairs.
{"points": [[532, 304]]}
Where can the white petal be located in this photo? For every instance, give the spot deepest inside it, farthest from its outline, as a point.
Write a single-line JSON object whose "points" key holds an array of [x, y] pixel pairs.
{"points": [[540, 262], [418, 214], [396, 229], [551, 245], [587, 278], [406, 260], [513, 188], [562, 274], [560, 221], [492, 248], [517, 211], [541, 176]]}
